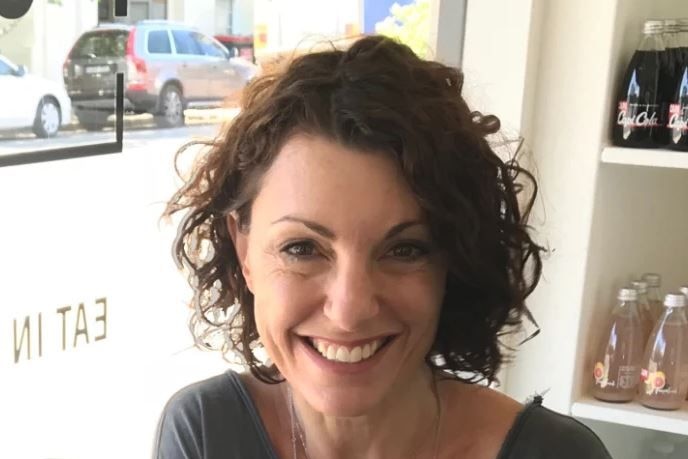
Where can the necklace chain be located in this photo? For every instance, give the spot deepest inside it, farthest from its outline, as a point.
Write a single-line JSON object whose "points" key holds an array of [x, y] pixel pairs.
{"points": [[296, 425]]}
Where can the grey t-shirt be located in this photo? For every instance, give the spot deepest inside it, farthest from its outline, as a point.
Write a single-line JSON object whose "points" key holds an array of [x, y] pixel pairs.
{"points": [[217, 419]]}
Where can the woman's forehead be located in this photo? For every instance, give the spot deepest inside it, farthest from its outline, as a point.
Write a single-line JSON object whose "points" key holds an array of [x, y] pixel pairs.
{"points": [[312, 174]]}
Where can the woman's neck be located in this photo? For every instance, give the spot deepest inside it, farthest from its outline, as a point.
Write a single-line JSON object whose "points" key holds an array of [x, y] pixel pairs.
{"points": [[404, 424]]}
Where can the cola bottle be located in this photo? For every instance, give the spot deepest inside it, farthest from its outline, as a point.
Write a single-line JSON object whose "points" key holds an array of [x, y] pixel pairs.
{"points": [[677, 122], [617, 366], [639, 120], [664, 373]]}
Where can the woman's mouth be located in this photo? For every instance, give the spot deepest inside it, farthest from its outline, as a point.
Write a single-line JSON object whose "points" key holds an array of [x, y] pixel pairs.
{"points": [[336, 352]]}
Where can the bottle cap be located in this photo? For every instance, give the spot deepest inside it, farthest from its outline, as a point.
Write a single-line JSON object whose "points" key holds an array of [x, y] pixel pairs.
{"points": [[671, 25], [652, 279], [653, 26], [684, 290], [627, 294], [675, 300], [640, 286]]}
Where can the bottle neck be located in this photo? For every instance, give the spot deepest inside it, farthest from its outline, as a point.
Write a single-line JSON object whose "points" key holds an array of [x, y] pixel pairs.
{"points": [[651, 42], [674, 315], [682, 39], [627, 308]]}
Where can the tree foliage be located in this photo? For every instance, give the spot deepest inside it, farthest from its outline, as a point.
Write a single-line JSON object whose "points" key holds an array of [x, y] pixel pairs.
{"points": [[410, 24]]}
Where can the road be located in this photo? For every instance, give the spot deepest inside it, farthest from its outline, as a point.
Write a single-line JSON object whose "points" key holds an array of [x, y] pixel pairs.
{"points": [[138, 130]]}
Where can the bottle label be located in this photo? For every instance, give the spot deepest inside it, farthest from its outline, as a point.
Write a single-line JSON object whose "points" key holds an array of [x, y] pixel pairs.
{"points": [[656, 383], [600, 373], [628, 376], [637, 115], [677, 121]]}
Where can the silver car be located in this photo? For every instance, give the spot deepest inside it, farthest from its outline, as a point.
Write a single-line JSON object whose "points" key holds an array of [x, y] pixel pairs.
{"points": [[168, 67]]}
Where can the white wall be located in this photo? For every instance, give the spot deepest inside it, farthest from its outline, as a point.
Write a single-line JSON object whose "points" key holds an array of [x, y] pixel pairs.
{"points": [[295, 23], [242, 18], [200, 14]]}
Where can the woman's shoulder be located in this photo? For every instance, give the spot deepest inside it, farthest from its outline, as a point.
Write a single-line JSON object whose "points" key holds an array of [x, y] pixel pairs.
{"points": [[211, 396], [540, 433], [492, 424], [209, 418]]}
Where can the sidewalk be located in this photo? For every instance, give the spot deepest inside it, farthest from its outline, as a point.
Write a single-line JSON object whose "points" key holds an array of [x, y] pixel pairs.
{"points": [[193, 117]]}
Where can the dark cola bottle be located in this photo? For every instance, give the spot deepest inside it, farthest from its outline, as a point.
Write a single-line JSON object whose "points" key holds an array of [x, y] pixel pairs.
{"points": [[639, 120], [677, 123]]}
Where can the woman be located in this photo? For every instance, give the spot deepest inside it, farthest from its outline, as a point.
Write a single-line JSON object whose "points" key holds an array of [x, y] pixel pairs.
{"points": [[354, 238]]}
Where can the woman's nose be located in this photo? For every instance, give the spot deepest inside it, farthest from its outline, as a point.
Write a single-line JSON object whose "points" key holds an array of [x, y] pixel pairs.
{"points": [[352, 299]]}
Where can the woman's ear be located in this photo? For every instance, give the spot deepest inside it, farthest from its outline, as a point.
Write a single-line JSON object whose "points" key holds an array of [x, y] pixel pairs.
{"points": [[240, 241]]}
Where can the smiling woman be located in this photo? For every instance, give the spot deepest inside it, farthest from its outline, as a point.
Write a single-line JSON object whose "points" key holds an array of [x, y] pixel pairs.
{"points": [[354, 225]]}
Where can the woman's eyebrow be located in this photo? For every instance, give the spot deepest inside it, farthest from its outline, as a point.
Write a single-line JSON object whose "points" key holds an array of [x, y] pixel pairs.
{"points": [[329, 234]]}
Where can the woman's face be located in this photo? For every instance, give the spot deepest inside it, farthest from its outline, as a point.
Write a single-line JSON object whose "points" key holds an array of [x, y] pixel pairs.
{"points": [[346, 281]]}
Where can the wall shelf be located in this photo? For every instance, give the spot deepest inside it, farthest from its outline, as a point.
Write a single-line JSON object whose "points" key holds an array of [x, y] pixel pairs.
{"points": [[645, 157], [633, 414]]}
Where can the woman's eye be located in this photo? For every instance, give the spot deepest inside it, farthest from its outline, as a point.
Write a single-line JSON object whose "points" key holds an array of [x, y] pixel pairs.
{"points": [[302, 249], [408, 251]]}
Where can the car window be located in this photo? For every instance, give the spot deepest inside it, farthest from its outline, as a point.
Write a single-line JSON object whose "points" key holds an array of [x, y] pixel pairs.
{"points": [[5, 69], [159, 42], [208, 46], [185, 43], [111, 43]]}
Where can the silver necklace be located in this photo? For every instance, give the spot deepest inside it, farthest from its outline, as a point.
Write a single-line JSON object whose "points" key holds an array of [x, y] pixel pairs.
{"points": [[296, 426]]}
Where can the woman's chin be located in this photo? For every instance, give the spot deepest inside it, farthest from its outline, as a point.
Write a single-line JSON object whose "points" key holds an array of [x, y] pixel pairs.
{"points": [[344, 402]]}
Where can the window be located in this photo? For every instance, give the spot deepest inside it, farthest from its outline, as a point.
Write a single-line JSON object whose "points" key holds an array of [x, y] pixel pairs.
{"points": [[159, 42], [5, 68], [184, 42], [101, 44], [209, 47]]}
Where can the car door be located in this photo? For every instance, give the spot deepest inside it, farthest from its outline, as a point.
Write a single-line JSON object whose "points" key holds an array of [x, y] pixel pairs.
{"points": [[225, 80], [192, 66], [16, 110]]}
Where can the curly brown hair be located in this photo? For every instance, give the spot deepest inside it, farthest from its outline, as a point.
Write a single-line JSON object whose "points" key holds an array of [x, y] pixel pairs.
{"points": [[377, 95]]}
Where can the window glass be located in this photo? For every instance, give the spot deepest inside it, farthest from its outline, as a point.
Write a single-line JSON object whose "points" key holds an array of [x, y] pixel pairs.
{"points": [[184, 42], [208, 46], [101, 44], [159, 42]]}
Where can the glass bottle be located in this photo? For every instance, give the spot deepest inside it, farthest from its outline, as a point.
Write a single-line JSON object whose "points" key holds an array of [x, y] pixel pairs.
{"points": [[617, 365], [654, 282], [639, 119], [684, 290], [644, 310], [664, 374], [677, 117]]}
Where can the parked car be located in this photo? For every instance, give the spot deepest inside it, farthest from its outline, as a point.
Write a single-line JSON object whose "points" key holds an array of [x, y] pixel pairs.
{"points": [[168, 67], [31, 101]]}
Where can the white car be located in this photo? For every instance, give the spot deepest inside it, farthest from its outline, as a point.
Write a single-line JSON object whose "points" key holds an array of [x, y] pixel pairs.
{"points": [[31, 101]]}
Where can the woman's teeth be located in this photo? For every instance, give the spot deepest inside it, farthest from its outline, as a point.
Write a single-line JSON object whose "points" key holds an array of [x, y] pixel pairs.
{"points": [[345, 354]]}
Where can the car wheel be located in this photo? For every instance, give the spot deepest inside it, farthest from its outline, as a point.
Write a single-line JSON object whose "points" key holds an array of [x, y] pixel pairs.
{"points": [[171, 108], [48, 118], [91, 120]]}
